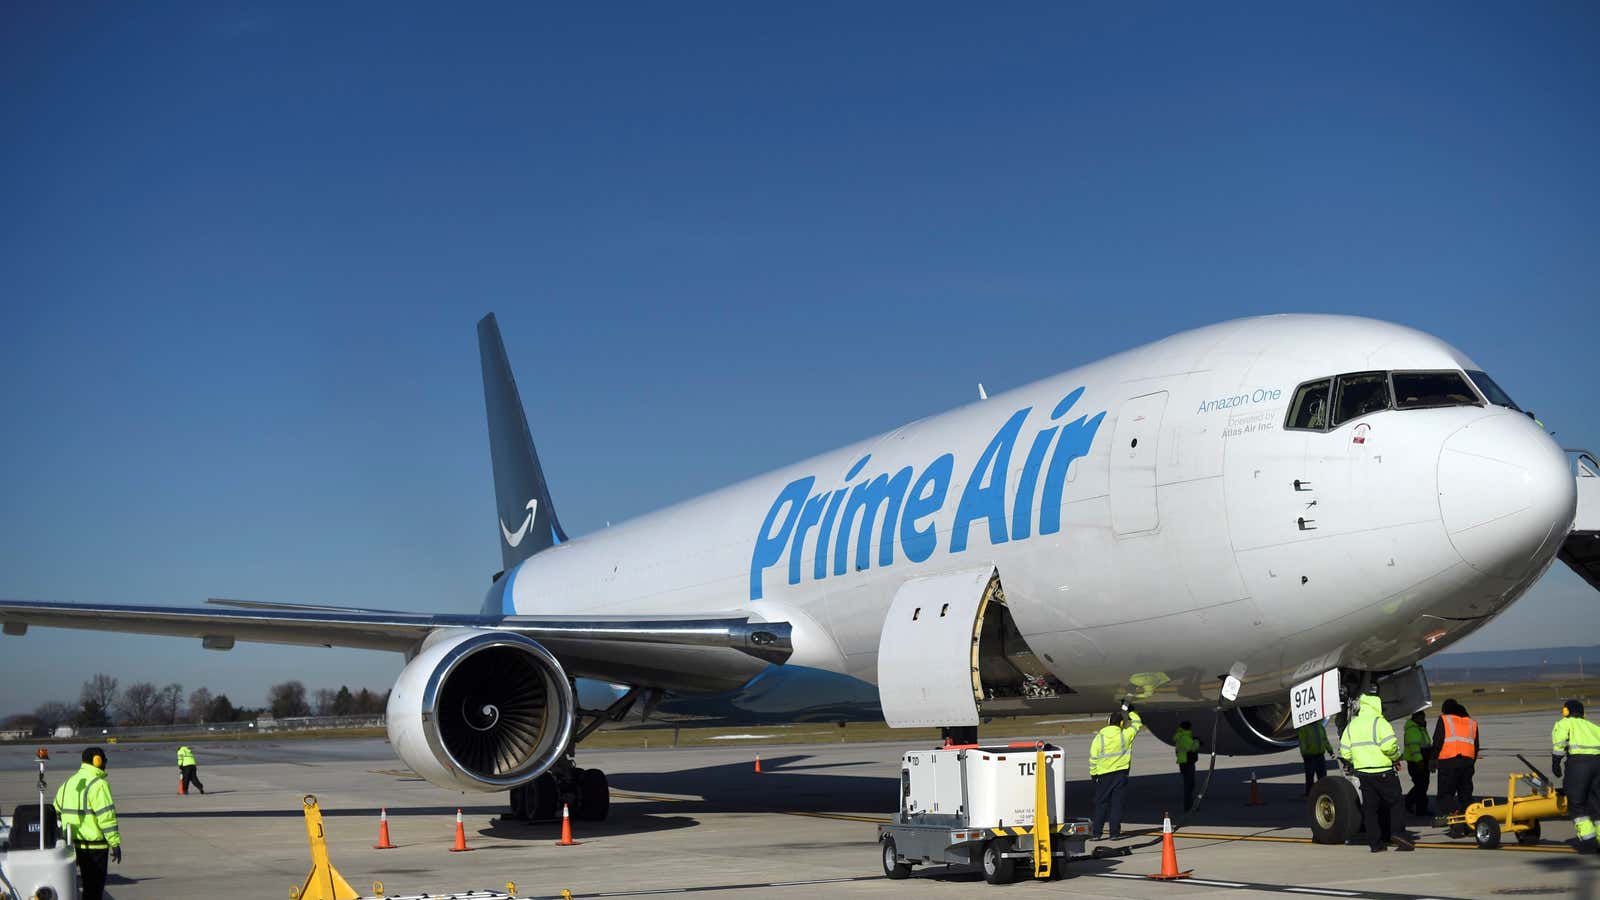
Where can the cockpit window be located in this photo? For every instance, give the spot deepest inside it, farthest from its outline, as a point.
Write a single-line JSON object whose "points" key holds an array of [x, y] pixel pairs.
{"points": [[1492, 391], [1359, 394], [1310, 407], [1419, 390]]}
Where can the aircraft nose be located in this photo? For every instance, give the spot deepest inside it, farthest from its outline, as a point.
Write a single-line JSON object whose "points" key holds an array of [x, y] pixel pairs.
{"points": [[1506, 494]]}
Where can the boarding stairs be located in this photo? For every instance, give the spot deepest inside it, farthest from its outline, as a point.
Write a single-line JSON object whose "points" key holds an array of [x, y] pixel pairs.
{"points": [[1581, 550]]}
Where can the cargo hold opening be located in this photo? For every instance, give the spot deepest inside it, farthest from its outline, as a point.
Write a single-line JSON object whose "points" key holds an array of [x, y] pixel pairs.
{"points": [[1008, 677]]}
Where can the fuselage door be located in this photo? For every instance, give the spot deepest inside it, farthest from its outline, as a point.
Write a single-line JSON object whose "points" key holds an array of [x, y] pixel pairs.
{"points": [[1133, 464]]}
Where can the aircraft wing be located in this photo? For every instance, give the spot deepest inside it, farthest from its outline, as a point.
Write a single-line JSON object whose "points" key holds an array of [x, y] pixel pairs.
{"points": [[699, 652]]}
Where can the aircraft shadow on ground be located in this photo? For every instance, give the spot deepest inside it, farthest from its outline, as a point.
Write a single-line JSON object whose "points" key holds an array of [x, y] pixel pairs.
{"points": [[328, 812], [788, 785], [792, 784]]}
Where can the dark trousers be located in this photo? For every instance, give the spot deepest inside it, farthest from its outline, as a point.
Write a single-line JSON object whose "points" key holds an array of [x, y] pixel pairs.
{"points": [[1186, 769], [191, 775], [1108, 793], [1455, 785], [1581, 781], [92, 864], [1417, 797], [1316, 769], [1380, 806]]}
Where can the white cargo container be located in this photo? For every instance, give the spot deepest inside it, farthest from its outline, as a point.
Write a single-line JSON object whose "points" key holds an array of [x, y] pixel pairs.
{"points": [[976, 805]]}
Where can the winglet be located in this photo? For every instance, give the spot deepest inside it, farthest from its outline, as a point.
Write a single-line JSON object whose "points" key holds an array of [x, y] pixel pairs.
{"points": [[528, 521]]}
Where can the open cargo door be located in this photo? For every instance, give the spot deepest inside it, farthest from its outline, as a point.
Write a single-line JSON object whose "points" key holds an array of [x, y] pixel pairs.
{"points": [[1581, 549], [950, 654]]}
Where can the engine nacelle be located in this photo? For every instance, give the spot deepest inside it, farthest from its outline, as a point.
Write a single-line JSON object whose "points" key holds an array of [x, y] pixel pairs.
{"points": [[481, 710], [1243, 731]]}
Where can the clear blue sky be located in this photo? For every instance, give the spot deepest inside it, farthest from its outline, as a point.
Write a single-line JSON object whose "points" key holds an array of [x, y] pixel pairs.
{"points": [[242, 250]]}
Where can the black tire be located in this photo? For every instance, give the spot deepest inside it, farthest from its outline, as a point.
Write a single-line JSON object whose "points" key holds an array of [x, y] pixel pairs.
{"points": [[594, 796], [519, 803], [540, 800], [1486, 831], [892, 867], [996, 868], [1334, 808], [1531, 836]]}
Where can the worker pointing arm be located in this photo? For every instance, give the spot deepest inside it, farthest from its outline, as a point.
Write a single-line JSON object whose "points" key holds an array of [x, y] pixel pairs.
{"points": [[1110, 757]]}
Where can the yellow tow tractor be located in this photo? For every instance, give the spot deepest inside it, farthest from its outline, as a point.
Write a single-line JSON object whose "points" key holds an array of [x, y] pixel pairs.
{"points": [[1489, 818]]}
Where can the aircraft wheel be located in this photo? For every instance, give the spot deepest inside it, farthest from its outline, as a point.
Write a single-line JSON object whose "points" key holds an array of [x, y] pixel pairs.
{"points": [[892, 866], [519, 802], [1487, 832], [594, 796], [996, 868], [540, 798], [1531, 836], [1334, 808]]}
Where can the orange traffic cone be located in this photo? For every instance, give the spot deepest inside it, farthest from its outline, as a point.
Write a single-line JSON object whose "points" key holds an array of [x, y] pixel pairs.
{"points": [[1255, 792], [566, 829], [758, 764], [182, 788], [1169, 854], [383, 832], [461, 836]]}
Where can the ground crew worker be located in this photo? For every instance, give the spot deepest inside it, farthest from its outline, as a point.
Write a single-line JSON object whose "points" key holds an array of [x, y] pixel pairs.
{"points": [[1455, 758], [1110, 755], [1417, 747], [1314, 751], [1578, 740], [1368, 746], [84, 802], [1187, 747], [190, 771]]}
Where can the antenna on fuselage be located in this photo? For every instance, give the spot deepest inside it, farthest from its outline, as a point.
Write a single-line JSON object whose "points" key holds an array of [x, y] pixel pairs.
{"points": [[982, 394]]}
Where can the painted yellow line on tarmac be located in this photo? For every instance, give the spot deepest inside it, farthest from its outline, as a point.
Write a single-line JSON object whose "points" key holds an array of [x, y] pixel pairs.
{"points": [[1278, 839], [1194, 835]]}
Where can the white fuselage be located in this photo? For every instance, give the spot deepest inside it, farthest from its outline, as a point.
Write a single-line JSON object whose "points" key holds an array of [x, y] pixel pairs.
{"points": [[1165, 521]]}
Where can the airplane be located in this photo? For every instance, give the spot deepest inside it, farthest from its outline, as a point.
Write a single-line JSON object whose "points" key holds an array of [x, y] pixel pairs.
{"points": [[1267, 499]]}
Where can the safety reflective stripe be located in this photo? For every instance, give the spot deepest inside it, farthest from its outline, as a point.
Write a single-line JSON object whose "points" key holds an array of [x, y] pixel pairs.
{"points": [[1374, 742], [1567, 743], [105, 809], [1460, 737], [1099, 740]]}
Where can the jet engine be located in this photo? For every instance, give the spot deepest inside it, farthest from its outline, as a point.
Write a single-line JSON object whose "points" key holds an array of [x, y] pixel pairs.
{"points": [[481, 710], [1243, 731]]}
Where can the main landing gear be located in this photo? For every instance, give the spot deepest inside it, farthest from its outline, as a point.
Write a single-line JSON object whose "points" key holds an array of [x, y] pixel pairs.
{"points": [[585, 792]]}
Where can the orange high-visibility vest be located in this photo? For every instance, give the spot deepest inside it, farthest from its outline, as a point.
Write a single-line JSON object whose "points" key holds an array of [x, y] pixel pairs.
{"points": [[1460, 737]]}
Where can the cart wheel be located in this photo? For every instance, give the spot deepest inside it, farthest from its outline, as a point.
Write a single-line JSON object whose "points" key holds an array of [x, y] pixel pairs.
{"points": [[996, 868], [892, 866], [1334, 808], [1487, 832], [1531, 836]]}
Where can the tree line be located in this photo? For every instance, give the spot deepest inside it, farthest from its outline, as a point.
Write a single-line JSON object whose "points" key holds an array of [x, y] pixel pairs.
{"points": [[103, 702]]}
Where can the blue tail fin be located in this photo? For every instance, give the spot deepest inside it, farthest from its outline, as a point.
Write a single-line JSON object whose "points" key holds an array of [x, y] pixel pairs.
{"points": [[528, 521]]}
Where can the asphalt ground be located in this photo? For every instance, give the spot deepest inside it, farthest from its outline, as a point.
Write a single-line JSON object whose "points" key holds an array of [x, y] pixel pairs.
{"points": [[699, 820]]}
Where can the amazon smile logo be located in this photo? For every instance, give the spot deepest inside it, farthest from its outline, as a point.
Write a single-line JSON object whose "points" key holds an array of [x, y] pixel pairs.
{"points": [[513, 538]]}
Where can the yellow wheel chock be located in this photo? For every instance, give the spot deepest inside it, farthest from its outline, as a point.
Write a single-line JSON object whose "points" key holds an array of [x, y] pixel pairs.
{"points": [[323, 882]]}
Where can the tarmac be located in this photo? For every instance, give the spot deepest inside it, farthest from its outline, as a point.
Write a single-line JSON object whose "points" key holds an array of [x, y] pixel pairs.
{"points": [[701, 821]]}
